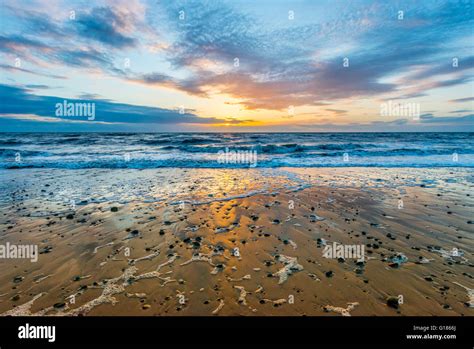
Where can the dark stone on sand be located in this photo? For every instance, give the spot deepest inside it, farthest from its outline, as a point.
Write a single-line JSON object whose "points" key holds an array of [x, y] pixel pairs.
{"points": [[59, 305], [46, 249], [470, 222], [262, 301], [167, 223], [76, 278], [329, 274], [429, 279], [162, 232], [70, 216], [393, 302], [18, 279], [114, 209], [341, 260], [15, 298]]}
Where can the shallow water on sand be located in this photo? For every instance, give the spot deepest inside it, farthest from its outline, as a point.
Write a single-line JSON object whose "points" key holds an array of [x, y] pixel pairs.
{"points": [[237, 242]]}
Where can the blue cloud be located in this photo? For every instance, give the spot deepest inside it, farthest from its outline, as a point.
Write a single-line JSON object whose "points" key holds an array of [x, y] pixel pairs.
{"points": [[103, 24], [18, 101]]}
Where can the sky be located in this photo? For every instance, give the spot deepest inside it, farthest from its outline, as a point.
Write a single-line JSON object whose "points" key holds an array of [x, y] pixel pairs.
{"points": [[237, 66]]}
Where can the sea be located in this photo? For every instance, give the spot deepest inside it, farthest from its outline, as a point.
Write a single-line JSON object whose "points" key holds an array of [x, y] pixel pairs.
{"points": [[260, 150]]}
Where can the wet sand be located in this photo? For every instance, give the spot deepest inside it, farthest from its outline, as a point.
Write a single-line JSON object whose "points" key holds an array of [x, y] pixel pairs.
{"points": [[238, 242]]}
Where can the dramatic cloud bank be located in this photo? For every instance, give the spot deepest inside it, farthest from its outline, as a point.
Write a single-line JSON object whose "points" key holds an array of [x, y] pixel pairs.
{"points": [[237, 64]]}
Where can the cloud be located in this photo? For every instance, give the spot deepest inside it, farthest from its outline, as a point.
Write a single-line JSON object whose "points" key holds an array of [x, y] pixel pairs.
{"points": [[427, 116], [82, 57], [259, 61], [276, 68], [19, 101], [445, 68], [461, 111], [89, 96], [462, 100], [15, 44], [37, 87], [337, 111], [84, 42], [107, 26], [425, 124], [23, 70], [467, 120]]}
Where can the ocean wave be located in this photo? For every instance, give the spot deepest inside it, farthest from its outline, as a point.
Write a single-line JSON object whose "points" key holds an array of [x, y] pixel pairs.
{"points": [[320, 149], [153, 141], [199, 141], [66, 141], [202, 163], [8, 142], [148, 150], [11, 153]]}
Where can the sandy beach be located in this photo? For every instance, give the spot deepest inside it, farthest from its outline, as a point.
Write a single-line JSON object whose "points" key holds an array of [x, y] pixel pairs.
{"points": [[238, 241]]}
